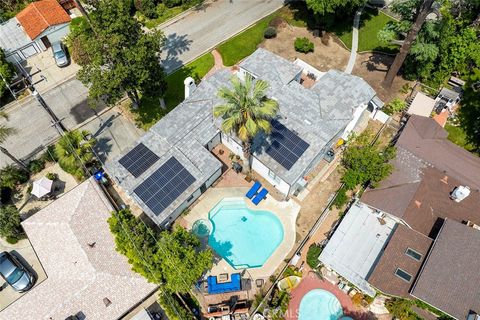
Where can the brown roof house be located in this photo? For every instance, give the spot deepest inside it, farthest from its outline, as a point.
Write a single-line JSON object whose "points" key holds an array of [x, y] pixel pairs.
{"points": [[33, 30], [433, 181], [85, 275]]}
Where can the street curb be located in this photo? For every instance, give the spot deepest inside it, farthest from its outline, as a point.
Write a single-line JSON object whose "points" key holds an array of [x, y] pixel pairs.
{"points": [[224, 40], [180, 16]]}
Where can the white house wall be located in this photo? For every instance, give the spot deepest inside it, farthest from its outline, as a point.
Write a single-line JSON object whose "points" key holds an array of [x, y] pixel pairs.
{"points": [[54, 34], [192, 198], [232, 145], [356, 116], [262, 170]]}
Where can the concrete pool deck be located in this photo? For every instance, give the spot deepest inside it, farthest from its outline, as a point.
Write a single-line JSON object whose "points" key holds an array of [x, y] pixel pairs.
{"points": [[285, 211]]}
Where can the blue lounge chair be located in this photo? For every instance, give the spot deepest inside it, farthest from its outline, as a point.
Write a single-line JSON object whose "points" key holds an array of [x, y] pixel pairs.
{"points": [[260, 196], [235, 284], [253, 190]]}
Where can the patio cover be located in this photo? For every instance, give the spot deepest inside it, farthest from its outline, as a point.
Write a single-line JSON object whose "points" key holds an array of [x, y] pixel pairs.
{"points": [[421, 105], [42, 187]]}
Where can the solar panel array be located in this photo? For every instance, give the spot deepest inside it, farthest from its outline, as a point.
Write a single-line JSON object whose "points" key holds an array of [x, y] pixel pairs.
{"points": [[286, 147], [138, 160], [165, 185]]}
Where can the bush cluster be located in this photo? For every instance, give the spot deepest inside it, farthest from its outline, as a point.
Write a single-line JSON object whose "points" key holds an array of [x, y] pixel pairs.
{"points": [[270, 33], [303, 45], [10, 227], [313, 253], [156, 8]]}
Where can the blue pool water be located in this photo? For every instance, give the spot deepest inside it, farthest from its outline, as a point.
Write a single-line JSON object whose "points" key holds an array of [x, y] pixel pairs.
{"points": [[319, 304], [245, 238]]}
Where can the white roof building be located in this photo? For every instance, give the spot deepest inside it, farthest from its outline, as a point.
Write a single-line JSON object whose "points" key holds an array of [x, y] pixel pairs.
{"points": [[357, 243]]}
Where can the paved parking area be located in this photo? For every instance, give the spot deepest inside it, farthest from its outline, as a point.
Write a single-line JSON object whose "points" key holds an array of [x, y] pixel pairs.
{"points": [[24, 251], [50, 75]]}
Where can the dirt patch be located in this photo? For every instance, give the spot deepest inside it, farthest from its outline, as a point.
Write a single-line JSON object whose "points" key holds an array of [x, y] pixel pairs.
{"points": [[324, 58], [373, 67]]}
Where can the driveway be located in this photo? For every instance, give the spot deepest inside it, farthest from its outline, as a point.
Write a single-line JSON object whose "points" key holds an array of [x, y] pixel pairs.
{"points": [[208, 25], [24, 251]]}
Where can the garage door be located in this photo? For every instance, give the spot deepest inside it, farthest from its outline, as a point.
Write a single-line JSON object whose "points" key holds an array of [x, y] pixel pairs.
{"points": [[29, 51]]}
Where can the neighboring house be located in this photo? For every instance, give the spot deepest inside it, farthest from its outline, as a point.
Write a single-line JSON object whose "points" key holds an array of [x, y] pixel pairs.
{"points": [[312, 119], [86, 276], [33, 30], [432, 193]]}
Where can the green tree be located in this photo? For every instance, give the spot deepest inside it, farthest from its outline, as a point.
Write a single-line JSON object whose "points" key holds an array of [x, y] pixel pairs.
{"points": [[6, 73], [469, 113], [246, 112], [365, 162], [172, 258], [394, 106], [323, 7], [182, 261], [174, 310], [73, 151], [313, 253], [122, 57], [401, 309], [11, 176], [10, 227]]}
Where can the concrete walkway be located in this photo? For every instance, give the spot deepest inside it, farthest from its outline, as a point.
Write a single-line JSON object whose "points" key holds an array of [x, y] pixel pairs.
{"points": [[353, 52], [218, 63]]}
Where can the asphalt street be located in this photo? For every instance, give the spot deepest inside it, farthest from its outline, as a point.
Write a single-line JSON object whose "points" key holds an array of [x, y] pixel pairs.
{"points": [[207, 26]]}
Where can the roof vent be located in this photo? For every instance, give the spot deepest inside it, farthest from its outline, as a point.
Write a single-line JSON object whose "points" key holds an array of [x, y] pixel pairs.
{"points": [[307, 122], [460, 193], [189, 86], [107, 302]]}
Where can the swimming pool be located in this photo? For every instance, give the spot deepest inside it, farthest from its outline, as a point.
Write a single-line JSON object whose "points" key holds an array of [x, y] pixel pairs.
{"points": [[245, 238], [319, 304]]}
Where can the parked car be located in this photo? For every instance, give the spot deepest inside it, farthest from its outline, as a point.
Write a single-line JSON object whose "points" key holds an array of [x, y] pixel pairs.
{"points": [[15, 273], [60, 54]]}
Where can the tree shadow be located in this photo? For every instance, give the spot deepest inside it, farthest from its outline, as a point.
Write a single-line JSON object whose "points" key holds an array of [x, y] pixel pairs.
{"points": [[378, 62], [86, 109], [360, 315], [173, 47], [102, 148]]}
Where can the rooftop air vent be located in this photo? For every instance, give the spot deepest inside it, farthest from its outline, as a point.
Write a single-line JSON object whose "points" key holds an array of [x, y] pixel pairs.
{"points": [[460, 193], [107, 302]]}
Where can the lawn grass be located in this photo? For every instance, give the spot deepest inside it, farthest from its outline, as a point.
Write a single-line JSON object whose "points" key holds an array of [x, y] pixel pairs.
{"points": [[167, 14], [244, 44], [458, 136], [371, 22], [150, 112]]}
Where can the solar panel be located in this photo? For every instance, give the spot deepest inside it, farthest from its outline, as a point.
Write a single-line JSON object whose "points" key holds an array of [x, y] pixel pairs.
{"points": [[165, 185], [138, 160], [286, 147]]}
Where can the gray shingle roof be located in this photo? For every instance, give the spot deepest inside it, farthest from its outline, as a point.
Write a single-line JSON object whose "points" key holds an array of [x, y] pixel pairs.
{"points": [[12, 36], [314, 114]]}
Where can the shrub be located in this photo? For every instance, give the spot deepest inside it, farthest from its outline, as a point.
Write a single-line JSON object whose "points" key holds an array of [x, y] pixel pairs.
{"points": [[49, 154], [303, 45], [340, 199], [11, 176], [10, 227], [73, 151], [312, 255], [172, 3], [270, 33], [12, 240], [147, 8], [51, 176], [173, 309], [77, 49], [394, 106], [36, 165]]}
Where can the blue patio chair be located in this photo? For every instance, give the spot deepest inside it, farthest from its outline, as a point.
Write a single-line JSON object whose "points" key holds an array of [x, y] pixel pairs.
{"points": [[260, 196], [253, 190]]}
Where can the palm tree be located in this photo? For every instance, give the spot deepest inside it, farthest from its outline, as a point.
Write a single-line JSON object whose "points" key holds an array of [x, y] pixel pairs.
{"points": [[422, 13], [246, 111], [74, 152], [5, 132]]}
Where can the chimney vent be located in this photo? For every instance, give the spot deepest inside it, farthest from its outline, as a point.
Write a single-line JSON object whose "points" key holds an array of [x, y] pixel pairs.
{"points": [[189, 86], [107, 302], [460, 193]]}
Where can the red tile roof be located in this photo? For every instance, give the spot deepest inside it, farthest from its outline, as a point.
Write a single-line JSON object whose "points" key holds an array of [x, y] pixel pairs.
{"points": [[40, 15]]}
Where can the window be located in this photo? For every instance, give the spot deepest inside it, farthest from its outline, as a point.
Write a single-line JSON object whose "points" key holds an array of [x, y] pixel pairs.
{"points": [[403, 275], [272, 175], [413, 254]]}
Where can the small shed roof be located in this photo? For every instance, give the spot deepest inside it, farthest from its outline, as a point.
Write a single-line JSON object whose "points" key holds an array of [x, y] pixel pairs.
{"points": [[356, 245], [12, 36], [421, 105]]}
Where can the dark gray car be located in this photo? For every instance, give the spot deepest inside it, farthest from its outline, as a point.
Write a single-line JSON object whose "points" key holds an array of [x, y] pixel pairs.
{"points": [[14, 273], [60, 54]]}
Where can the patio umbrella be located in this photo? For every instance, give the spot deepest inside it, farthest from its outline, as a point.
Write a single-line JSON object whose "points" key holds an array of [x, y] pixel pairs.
{"points": [[42, 187]]}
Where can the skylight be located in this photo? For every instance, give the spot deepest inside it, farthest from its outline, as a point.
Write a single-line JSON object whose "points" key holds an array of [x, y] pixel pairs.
{"points": [[403, 275]]}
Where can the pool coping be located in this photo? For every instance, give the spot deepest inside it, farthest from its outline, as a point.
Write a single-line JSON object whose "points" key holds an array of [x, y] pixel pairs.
{"points": [[285, 211]]}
